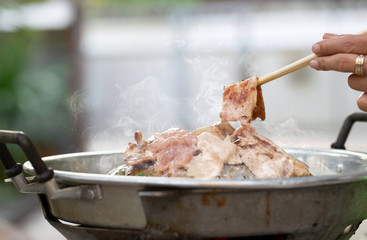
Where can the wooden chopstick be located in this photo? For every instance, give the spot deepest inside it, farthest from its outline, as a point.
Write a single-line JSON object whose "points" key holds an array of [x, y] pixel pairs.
{"points": [[290, 68], [287, 69]]}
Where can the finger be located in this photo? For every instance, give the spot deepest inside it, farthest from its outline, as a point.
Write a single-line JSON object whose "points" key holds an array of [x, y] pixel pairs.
{"points": [[357, 82], [362, 102], [343, 44], [330, 35], [341, 62]]}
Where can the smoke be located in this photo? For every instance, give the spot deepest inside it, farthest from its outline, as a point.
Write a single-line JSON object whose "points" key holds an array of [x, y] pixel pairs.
{"points": [[188, 96], [76, 104], [213, 76], [247, 64], [144, 106], [290, 134], [112, 120]]}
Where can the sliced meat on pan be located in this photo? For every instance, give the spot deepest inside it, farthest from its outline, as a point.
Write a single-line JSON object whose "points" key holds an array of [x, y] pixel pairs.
{"points": [[243, 101]]}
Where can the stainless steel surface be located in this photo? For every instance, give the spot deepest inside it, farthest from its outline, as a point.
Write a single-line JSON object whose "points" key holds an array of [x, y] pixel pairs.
{"points": [[52, 189], [318, 207], [327, 166]]}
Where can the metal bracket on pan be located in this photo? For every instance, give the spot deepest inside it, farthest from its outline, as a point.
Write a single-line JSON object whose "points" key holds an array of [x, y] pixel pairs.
{"points": [[52, 189], [85, 192], [43, 181]]}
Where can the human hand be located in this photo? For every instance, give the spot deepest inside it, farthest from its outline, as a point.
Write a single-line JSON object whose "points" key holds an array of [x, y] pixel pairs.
{"points": [[339, 53]]}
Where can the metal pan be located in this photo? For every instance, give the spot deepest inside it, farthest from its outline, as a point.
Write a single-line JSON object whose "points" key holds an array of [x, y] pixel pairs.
{"points": [[328, 205]]}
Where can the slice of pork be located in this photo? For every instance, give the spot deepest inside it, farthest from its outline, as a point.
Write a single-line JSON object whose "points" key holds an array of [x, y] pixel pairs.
{"points": [[215, 152], [263, 157], [243, 101]]}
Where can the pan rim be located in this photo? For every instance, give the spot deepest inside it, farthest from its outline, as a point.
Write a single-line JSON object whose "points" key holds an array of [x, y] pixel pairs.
{"points": [[184, 183]]}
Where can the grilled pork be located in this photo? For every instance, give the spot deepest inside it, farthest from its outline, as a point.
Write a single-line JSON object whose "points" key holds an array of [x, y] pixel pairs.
{"points": [[217, 151], [243, 102], [263, 157]]}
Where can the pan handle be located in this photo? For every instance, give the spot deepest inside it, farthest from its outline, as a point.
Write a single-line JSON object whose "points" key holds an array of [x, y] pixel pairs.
{"points": [[12, 168], [44, 181], [347, 126]]}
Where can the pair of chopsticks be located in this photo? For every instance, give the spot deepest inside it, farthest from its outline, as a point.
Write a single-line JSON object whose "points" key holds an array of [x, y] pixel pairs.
{"points": [[289, 68]]}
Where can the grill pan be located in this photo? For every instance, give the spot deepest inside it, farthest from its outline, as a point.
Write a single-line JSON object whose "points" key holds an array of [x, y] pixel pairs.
{"points": [[75, 188]]}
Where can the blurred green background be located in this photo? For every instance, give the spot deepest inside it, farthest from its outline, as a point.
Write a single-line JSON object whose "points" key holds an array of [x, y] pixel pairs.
{"points": [[40, 71], [34, 86], [67, 68], [84, 75]]}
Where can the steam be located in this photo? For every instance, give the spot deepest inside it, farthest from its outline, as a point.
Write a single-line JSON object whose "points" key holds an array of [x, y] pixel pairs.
{"points": [[111, 121], [144, 106], [290, 134], [76, 104], [213, 77], [111, 115], [248, 65]]}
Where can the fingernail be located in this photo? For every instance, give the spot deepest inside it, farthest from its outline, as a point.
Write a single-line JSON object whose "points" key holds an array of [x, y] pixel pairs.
{"points": [[314, 64], [316, 48]]}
